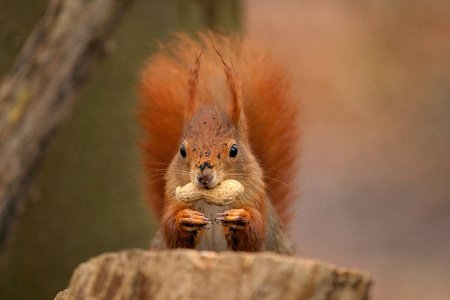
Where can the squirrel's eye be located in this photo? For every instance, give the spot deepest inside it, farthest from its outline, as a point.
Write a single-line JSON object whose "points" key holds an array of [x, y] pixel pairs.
{"points": [[233, 151], [183, 151]]}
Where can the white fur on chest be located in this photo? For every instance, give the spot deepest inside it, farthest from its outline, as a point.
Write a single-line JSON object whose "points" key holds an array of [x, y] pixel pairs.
{"points": [[214, 238]]}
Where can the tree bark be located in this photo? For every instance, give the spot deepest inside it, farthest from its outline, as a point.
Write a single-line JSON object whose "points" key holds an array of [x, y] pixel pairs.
{"points": [[189, 274], [39, 92]]}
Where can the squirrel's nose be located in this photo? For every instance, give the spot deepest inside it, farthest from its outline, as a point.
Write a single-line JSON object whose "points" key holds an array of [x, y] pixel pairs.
{"points": [[204, 179], [204, 174]]}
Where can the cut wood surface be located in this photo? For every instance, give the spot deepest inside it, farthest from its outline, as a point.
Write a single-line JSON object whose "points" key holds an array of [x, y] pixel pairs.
{"points": [[39, 92], [189, 274]]}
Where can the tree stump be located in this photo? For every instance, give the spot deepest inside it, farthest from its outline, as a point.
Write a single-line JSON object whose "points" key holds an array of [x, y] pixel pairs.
{"points": [[189, 274]]}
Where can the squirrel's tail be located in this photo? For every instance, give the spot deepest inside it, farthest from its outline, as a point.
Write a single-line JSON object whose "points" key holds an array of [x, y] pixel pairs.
{"points": [[272, 114]]}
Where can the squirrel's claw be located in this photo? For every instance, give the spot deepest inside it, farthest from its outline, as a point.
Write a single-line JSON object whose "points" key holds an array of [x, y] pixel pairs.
{"points": [[193, 221], [234, 219]]}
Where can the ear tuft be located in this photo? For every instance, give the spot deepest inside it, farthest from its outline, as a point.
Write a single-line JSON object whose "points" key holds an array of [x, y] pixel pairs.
{"points": [[234, 83], [192, 87]]}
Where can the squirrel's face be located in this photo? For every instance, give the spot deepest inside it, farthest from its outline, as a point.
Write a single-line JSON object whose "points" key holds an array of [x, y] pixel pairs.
{"points": [[210, 149]]}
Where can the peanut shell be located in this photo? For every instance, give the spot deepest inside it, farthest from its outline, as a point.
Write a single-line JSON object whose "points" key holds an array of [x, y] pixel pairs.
{"points": [[226, 192]]}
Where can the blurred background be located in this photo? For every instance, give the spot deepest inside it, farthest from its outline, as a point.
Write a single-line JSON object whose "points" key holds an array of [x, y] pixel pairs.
{"points": [[374, 79]]}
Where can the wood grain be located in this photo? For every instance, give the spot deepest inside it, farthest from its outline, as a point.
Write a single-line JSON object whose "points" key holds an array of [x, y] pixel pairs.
{"points": [[189, 274]]}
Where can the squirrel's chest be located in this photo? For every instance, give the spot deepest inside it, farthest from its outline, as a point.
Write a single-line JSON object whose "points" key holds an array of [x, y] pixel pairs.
{"points": [[212, 239]]}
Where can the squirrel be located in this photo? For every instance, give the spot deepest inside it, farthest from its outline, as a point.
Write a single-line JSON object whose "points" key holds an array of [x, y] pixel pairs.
{"points": [[206, 120]]}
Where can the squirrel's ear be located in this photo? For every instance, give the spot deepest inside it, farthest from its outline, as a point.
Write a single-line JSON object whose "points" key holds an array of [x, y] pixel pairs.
{"points": [[192, 85], [234, 83]]}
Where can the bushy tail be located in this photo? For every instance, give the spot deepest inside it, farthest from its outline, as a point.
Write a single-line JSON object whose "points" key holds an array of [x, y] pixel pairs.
{"points": [[272, 114]]}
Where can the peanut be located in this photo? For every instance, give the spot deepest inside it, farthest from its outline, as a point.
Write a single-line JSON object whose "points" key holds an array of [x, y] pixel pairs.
{"points": [[226, 192]]}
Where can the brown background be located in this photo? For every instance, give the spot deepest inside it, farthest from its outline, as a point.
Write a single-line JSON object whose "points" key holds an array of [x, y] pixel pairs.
{"points": [[374, 80]]}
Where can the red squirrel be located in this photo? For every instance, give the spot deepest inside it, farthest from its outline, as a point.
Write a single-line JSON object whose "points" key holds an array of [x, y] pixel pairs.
{"points": [[217, 108]]}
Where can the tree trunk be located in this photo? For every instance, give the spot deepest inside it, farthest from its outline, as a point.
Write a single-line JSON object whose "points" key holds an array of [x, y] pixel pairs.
{"points": [[39, 92]]}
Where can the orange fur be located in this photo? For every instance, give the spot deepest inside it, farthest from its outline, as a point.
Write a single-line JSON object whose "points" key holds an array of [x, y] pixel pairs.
{"points": [[192, 86], [177, 238], [271, 113]]}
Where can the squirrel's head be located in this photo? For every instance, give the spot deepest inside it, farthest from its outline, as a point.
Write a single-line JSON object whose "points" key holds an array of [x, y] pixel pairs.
{"points": [[214, 146]]}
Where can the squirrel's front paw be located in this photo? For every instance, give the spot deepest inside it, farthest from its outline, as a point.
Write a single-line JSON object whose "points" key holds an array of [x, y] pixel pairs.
{"points": [[192, 221], [234, 219]]}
